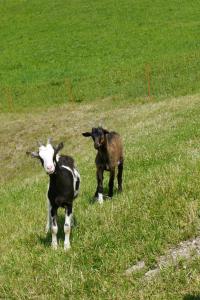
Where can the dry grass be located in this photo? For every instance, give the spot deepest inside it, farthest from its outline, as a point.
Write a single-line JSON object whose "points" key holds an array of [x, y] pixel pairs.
{"points": [[20, 132]]}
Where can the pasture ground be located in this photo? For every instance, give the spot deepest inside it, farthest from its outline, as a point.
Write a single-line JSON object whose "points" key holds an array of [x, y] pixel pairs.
{"points": [[56, 58], [158, 209]]}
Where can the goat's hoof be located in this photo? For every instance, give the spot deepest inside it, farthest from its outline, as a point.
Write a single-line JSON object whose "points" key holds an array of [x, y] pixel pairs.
{"points": [[100, 201], [100, 198], [67, 247], [54, 246]]}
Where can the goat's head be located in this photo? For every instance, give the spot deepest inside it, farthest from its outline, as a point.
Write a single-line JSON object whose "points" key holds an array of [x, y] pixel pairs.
{"points": [[98, 136], [47, 155]]}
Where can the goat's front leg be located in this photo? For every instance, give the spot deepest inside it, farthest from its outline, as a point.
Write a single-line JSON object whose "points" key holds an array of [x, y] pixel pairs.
{"points": [[111, 183], [99, 191], [54, 228], [67, 227], [48, 225]]}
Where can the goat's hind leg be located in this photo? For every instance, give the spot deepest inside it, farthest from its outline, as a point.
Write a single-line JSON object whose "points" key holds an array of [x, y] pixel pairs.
{"points": [[119, 176], [67, 227]]}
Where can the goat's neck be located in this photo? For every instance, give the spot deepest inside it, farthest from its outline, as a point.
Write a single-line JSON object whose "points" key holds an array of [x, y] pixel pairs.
{"points": [[57, 168], [102, 152], [103, 149]]}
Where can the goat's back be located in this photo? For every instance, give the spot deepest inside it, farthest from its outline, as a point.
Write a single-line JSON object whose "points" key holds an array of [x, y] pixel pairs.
{"points": [[66, 160], [64, 184]]}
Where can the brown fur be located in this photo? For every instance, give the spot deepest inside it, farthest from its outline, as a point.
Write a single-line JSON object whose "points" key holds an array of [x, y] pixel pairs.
{"points": [[109, 156]]}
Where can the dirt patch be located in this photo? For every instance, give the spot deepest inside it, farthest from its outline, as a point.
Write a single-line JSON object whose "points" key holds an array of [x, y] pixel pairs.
{"points": [[186, 250]]}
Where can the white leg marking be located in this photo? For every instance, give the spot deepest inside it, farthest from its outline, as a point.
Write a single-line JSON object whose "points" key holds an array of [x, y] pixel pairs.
{"points": [[48, 216], [54, 231], [67, 229], [100, 198]]}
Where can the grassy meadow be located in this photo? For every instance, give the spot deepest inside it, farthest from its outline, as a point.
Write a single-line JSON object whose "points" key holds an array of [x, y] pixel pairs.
{"points": [[66, 66], [158, 208], [57, 51]]}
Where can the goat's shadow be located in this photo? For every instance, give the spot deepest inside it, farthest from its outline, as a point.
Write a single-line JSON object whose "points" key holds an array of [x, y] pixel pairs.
{"points": [[191, 297], [46, 240]]}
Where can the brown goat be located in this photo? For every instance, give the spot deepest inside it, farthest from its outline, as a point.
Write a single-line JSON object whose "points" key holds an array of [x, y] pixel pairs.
{"points": [[109, 156]]}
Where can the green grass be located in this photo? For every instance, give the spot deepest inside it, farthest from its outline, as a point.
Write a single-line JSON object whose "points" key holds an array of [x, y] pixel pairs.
{"points": [[55, 51], [158, 208], [56, 58]]}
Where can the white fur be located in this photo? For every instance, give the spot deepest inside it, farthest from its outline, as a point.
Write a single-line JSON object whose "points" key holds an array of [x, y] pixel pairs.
{"points": [[67, 229], [100, 198], [48, 213], [47, 153], [76, 176], [54, 231]]}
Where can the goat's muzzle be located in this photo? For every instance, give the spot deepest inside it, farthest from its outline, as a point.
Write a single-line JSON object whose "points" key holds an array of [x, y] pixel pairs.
{"points": [[97, 146], [50, 169]]}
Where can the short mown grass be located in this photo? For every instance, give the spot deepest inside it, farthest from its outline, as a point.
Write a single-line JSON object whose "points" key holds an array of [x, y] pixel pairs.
{"points": [[158, 209], [58, 51]]}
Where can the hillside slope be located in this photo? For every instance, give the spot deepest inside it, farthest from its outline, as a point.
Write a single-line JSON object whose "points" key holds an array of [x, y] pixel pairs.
{"points": [[158, 208]]}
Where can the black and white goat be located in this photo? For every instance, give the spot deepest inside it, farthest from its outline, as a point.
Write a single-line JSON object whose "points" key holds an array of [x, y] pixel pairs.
{"points": [[109, 156], [64, 182]]}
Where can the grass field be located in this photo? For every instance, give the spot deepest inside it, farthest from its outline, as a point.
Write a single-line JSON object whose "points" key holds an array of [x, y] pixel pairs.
{"points": [[66, 66], [158, 208], [57, 51]]}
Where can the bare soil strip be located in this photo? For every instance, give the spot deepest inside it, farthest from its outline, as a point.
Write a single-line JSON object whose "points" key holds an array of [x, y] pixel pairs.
{"points": [[186, 250]]}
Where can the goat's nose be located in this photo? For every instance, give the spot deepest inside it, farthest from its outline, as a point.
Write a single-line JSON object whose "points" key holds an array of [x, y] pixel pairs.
{"points": [[96, 145], [50, 168]]}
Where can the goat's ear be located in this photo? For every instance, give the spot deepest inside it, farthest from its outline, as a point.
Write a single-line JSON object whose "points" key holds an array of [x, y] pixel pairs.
{"points": [[59, 147], [86, 134], [105, 131], [33, 154]]}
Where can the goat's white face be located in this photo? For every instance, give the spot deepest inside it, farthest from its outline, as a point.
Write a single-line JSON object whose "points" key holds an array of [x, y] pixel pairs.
{"points": [[46, 153]]}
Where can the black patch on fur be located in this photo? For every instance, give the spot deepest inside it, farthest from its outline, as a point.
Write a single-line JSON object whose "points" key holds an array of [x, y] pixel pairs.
{"points": [[61, 187]]}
